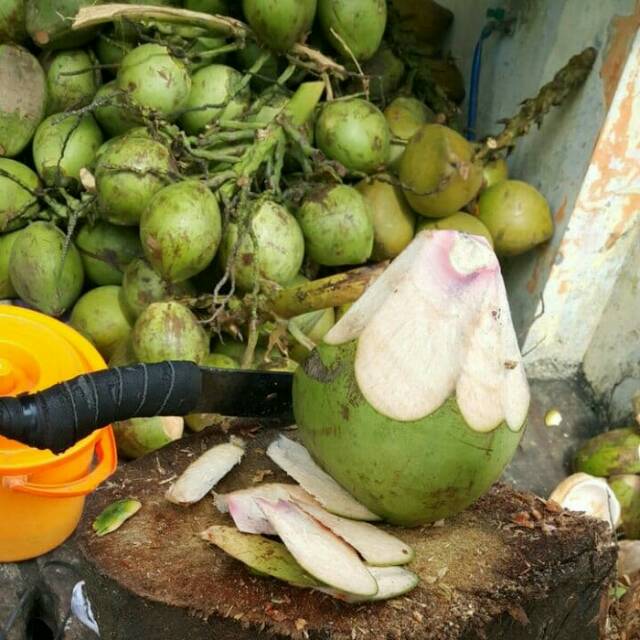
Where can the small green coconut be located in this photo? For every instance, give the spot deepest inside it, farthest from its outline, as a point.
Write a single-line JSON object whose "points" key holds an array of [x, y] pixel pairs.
{"points": [[405, 115], [12, 21], [142, 286], [49, 24], [106, 250], [99, 317], [214, 84], [627, 490], [46, 270], [355, 133], [111, 49], [494, 172], [393, 220], [6, 245], [279, 24], [155, 80], [460, 221], [169, 331], [129, 172], [269, 246], [517, 216], [354, 27], [116, 115], [438, 173], [140, 436], [72, 80], [22, 99], [385, 71], [337, 225], [181, 229], [270, 70], [63, 145], [612, 453], [17, 202]]}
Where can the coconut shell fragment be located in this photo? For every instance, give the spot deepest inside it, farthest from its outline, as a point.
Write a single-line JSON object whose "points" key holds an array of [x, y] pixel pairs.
{"points": [[115, 515]]}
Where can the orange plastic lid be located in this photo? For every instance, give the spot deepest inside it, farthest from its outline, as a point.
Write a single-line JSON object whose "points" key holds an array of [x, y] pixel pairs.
{"points": [[36, 352]]}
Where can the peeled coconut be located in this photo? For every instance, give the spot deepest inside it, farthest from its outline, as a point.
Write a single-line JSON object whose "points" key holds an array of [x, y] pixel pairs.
{"points": [[354, 27], [627, 490], [416, 399], [6, 245], [12, 21], [116, 116], [17, 205], [405, 115], [517, 215], [22, 99], [63, 145], [106, 250], [272, 250], [437, 171], [45, 269], [279, 24], [49, 24], [155, 80], [169, 331], [355, 133], [99, 317], [337, 225], [612, 453], [139, 436], [460, 221], [494, 172], [129, 172], [393, 219], [72, 80]]}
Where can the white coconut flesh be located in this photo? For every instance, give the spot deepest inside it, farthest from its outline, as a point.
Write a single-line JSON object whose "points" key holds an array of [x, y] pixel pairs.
{"points": [[587, 494], [435, 323], [296, 461], [392, 582], [318, 551], [201, 476]]}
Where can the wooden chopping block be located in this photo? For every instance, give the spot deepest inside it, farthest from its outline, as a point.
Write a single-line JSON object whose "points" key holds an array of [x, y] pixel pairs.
{"points": [[509, 568]]}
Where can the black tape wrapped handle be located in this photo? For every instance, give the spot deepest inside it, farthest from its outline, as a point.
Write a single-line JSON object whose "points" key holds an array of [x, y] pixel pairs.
{"points": [[66, 413]]}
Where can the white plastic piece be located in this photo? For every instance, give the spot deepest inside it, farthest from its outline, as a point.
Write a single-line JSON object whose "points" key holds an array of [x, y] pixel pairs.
{"points": [[293, 458], [392, 582], [435, 323]]}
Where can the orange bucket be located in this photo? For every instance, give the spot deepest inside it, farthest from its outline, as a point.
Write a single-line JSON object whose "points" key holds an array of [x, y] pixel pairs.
{"points": [[41, 494]]}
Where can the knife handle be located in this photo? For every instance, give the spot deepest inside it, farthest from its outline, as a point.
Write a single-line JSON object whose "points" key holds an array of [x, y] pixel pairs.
{"points": [[60, 416]]}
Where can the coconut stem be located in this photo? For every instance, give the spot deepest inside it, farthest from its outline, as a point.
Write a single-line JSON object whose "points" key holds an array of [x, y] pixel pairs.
{"points": [[533, 110]]}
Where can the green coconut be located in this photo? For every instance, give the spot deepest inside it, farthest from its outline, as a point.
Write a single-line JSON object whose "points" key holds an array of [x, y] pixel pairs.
{"points": [[181, 229], [129, 172], [116, 115], [140, 436], [72, 80], [279, 24], [270, 70], [405, 115], [337, 225], [111, 49], [627, 490], [494, 172], [12, 21], [268, 246], [385, 71], [416, 399], [155, 80], [355, 133], [17, 204], [169, 331], [45, 269], [99, 317], [142, 286], [438, 173], [6, 245], [214, 84], [49, 23], [63, 145], [612, 453], [517, 216], [393, 220], [460, 221], [22, 99], [353, 27], [123, 355]]}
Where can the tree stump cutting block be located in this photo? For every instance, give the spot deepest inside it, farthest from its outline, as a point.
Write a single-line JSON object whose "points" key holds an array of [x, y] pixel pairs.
{"points": [[511, 567]]}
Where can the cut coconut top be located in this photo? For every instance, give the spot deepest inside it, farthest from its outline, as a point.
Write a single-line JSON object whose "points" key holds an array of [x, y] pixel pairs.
{"points": [[590, 495], [437, 321]]}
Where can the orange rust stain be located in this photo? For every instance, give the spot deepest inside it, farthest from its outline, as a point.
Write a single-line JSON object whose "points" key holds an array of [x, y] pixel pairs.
{"points": [[623, 30], [563, 288], [560, 214]]}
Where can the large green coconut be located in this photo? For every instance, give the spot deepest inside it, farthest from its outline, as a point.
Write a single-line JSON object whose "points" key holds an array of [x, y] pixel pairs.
{"points": [[169, 331], [354, 27], [106, 250], [155, 80], [181, 229], [615, 452], [129, 172], [6, 245], [46, 270], [517, 216], [72, 80], [337, 225], [405, 115], [12, 21], [115, 115], [460, 221], [438, 173], [99, 317], [416, 399], [280, 23], [63, 145], [393, 220], [355, 133], [17, 200], [267, 246], [49, 23], [215, 84], [23, 98]]}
